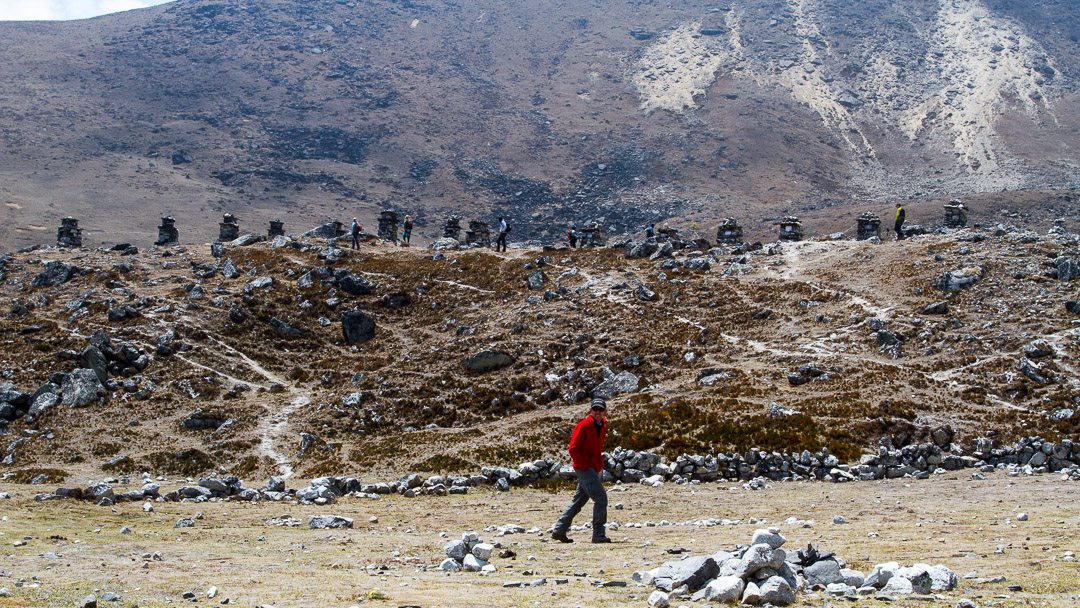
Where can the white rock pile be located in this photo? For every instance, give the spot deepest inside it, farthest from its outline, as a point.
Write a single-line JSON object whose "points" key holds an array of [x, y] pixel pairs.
{"points": [[764, 573], [469, 554]]}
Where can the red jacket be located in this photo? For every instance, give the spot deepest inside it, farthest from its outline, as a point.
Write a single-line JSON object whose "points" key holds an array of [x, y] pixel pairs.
{"points": [[587, 446]]}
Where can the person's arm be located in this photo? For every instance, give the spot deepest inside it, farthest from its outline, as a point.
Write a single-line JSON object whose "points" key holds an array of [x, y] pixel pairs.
{"points": [[577, 449]]}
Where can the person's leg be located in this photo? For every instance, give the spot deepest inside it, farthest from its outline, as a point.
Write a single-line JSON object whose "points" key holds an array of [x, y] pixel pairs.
{"points": [[594, 488], [579, 500]]}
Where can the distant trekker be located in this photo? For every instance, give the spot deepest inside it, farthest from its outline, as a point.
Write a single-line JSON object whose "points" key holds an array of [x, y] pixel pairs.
{"points": [[650, 232], [356, 228], [571, 235], [405, 236], [900, 216], [504, 229], [587, 454]]}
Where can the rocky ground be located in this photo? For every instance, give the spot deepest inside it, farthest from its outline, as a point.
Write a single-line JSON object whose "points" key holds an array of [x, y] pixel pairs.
{"points": [[922, 367], [1009, 541], [299, 357]]}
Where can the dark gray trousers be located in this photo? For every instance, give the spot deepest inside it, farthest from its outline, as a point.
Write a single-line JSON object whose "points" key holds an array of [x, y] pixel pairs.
{"points": [[588, 486]]}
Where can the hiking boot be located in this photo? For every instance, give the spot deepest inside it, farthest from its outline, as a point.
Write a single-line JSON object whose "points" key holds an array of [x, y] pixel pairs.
{"points": [[561, 537], [601, 539]]}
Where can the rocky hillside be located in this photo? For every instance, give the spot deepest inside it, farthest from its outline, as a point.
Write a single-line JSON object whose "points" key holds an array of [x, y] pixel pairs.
{"points": [[304, 357], [546, 112]]}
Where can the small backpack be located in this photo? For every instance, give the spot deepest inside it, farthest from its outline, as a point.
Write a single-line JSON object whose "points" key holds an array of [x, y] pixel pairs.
{"points": [[508, 228]]}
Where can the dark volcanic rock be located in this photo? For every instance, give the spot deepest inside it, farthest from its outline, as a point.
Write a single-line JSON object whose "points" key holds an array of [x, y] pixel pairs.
{"points": [[355, 285], [81, 387], [357, 327], [55, 273]]}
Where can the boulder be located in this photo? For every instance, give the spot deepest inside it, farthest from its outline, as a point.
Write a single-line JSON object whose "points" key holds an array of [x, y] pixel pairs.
{"points": [[329, 522], [623, 382], [776, 591], [758, 557], [489, 360], [960, 279], [245, 240], [941, 578], [724, 590], [81, 387], [355, 284], [535, 280], [693, 572], [229, 269], [659, 599], [357, 327], [456, 550], [55, 273], [92, 358], [881, 574], [326, 231], [937, 308], [823, 572], [771, 537]]}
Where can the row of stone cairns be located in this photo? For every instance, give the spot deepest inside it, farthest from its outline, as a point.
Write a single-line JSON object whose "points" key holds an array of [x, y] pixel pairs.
{"points": [[730, 232], [764, 573]]}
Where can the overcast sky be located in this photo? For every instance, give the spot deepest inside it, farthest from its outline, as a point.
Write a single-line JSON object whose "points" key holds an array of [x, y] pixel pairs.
{"points": [[36, 10]]}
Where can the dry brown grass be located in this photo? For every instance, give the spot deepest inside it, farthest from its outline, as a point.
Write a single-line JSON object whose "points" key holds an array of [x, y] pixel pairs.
{"points": [[952, 520]]}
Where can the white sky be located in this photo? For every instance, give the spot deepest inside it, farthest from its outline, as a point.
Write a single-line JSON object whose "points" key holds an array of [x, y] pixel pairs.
{"points": [[51, 10]]}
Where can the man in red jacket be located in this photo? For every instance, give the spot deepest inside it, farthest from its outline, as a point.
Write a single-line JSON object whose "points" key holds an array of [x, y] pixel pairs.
{"points": [[586, 452]]}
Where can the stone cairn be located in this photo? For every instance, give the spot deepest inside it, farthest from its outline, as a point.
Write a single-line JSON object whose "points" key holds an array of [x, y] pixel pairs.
{"points": [[791, 229], [868, 226], [228, 229], [478, 234], [277, 228], [167, 233], [729, 232], [593, 236], [956, 214], [452, 228], [69, 234], [388, 223], [762, 573]]}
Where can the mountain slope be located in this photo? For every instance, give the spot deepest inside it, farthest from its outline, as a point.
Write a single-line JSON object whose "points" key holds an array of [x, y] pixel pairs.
{"points": [[548, 112]]}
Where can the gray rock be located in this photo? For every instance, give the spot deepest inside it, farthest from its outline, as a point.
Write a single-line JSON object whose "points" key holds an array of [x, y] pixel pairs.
{"points": [[482, 551], [1031, 370], [776, 591], [186, 522], [693, 572], [823, 572], [450, 565], [898, 586], [326, 231], [55, 273], [758, 557], [960, 279], [214, 485], [229, 270], [659, 599], [472, 564], [355, 285], [357, 327], [276, 484], [306, 281], [772, 538], [535, 280], [644, 294], [92, 358], [881, 574], [623, 382], [1067, 269], [260, 283], [456, 550], [489, 360], [937, 308], [725, 590], [245, 240], [918, 575], [751, 594], [81, 387], [89, 601], [853, 578], [329, 522], [43, 402], [941, 578]]}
